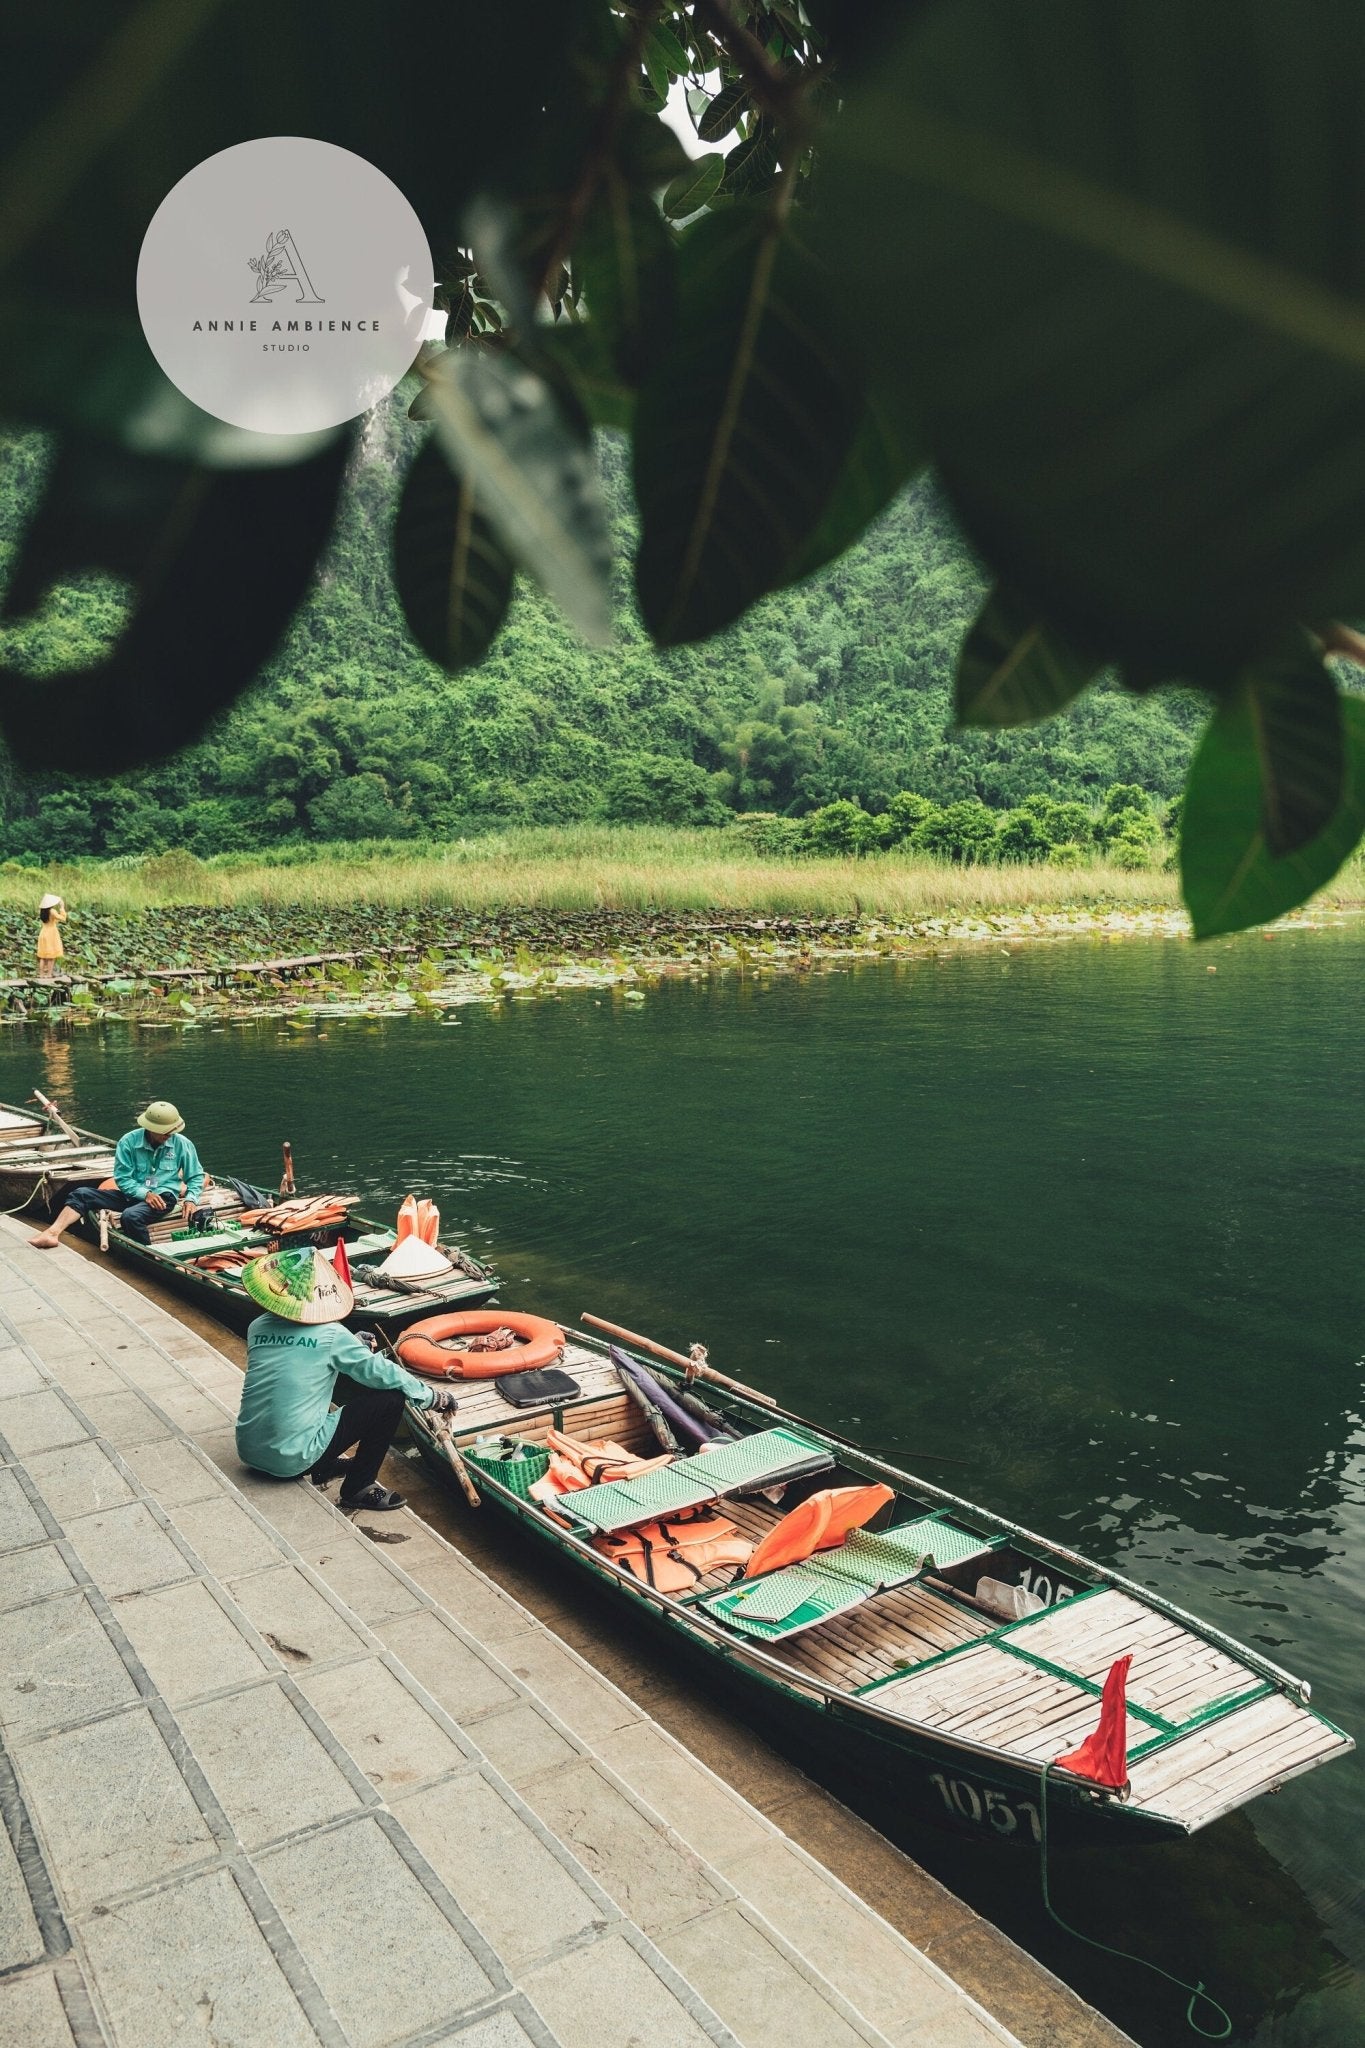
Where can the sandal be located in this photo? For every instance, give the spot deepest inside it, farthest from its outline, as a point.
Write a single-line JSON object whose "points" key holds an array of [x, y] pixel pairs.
{"points": [[372, 1496]]}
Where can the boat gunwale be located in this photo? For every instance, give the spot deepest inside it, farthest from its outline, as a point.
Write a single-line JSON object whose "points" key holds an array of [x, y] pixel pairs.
{"points": [[1217, 1638]]}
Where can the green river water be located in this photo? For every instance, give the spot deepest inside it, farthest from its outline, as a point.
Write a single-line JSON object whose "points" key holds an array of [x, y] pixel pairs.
{"points": [[1084, 1218]]}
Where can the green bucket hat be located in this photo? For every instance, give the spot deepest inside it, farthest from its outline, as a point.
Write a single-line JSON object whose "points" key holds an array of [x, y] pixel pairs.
{"points": [[300, 1285], [162, 1117]]}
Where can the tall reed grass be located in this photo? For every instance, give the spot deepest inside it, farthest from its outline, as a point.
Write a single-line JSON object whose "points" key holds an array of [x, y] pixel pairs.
{"points": [[593, 867]]}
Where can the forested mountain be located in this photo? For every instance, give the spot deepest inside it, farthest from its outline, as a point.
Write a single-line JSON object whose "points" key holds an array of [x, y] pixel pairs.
{"points": [[838, 688]]}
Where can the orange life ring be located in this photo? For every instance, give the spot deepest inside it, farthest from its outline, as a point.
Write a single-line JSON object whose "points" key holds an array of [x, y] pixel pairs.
{"points": [[426, 1347]]}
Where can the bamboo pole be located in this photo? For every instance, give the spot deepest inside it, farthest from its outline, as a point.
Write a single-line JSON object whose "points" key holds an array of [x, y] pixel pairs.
{"points": [[56, 1116], [694, 1367], [439, 1427]]}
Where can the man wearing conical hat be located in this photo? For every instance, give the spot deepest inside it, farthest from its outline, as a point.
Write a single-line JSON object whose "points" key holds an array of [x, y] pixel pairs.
{"points": [[299, 1359], [156, 1174]]}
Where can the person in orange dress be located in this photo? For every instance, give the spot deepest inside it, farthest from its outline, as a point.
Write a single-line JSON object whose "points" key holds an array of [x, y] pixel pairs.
{"points": [[51, 914]]}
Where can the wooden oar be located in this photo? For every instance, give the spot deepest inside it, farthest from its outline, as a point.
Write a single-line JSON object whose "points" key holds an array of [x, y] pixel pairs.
{"points": [[440, 1429], [695, 1367], [287, 1177], [56, 1116]]}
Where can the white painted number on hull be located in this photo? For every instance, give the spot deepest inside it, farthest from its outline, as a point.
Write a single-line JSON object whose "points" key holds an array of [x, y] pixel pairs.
{"points": [[986, 1807]]}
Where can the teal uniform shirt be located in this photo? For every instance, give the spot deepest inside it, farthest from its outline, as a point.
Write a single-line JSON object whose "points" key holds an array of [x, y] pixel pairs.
{"points": [[284, 1424], [142, 1168]]}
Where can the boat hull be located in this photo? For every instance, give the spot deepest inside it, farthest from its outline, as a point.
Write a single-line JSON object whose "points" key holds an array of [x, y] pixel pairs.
{"points": [[231, 1305], [912, 1777]]}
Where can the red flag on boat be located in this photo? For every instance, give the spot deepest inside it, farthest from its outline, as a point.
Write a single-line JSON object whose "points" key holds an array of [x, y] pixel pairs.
{"points": [[341, 1265], [1103, 1756]]}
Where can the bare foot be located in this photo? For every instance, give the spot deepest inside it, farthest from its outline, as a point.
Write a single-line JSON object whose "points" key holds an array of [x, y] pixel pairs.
{"points": [[45, 1241]]}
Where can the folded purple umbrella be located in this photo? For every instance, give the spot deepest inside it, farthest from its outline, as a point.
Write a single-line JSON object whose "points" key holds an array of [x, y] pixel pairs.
{"points": [[685, 1423]]}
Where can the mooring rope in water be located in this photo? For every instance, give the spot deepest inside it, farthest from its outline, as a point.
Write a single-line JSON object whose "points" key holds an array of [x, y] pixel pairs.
{"points": [[1196, 1991]]}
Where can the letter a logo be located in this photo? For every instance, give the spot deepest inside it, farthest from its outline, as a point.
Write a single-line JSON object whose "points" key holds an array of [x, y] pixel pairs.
{"points": [[281, 265]]}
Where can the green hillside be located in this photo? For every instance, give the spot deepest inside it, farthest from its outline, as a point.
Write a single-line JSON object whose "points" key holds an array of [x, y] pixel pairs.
{"points": [[840, 688]]}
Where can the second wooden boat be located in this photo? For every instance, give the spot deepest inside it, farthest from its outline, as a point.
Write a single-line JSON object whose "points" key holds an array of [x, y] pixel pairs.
{"points": [[42, 1157]]}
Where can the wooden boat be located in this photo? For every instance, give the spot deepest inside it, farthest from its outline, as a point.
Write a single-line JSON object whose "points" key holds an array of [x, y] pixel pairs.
{"points": [[949, 1711], [42, 1157]]}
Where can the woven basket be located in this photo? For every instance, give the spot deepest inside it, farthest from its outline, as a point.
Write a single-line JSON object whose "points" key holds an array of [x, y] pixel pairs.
{"points": [[517, 1474]]}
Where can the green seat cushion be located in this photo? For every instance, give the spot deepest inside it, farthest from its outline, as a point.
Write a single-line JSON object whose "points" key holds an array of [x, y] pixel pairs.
{"points": [[767, 1458]]}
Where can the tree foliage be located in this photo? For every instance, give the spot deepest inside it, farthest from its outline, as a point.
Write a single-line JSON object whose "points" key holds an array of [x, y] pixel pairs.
{"points": [[1094, 264]]}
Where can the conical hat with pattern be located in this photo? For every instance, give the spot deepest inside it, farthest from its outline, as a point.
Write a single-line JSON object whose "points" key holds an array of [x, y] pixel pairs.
{"points": [[299, 1285]]}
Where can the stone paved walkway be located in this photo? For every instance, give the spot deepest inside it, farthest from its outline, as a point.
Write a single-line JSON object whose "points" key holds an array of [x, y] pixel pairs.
{"points": [[262, 1785]]}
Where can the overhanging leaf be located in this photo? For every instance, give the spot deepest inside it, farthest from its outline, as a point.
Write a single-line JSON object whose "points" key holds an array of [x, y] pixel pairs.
{"points": [[886, 450], [1014, 668], [1123, 287], [582, 355], [741, 429], [1296, 717], [95, 375], [1229, 877], [625, 254], [695, 187], [532, 470], [453, 576], [723, 111], [231, 559], [666, 47]]}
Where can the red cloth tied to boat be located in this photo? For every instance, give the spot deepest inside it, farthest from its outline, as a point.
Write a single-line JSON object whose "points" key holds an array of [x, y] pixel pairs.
{"points": [[1103, 1756], [340, 1263]]}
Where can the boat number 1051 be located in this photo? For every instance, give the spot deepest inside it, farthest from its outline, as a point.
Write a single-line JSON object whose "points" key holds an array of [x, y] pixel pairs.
{"points": [[986, 1806]]}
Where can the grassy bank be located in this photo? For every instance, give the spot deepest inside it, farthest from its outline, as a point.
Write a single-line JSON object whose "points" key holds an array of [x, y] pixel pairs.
{"points": [[640, 870]]}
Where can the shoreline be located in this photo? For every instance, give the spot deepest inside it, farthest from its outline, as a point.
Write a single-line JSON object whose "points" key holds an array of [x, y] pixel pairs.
{"points": [[526, 955]]}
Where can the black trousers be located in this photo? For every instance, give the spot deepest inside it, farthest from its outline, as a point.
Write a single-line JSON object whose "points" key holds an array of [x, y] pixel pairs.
{"points": [[369, 1419]]}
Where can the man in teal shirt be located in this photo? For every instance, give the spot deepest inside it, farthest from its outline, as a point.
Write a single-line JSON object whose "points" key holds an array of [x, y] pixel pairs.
{"points": [[300, 1358], [156, 1172]]}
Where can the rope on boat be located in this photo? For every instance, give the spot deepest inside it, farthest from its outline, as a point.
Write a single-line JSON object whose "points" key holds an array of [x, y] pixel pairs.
{"points": [[1196, 1991], [31, 1196]]}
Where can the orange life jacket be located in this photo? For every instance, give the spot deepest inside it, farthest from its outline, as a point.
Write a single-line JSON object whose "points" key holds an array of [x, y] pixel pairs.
{"points": [[674, 1556], [820, 1522], [600, 1462]]}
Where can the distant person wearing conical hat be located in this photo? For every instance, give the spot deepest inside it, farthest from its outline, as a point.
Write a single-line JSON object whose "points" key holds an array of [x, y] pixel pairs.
{"points": [[156, 1173], [299, 1359], [51, 914]]}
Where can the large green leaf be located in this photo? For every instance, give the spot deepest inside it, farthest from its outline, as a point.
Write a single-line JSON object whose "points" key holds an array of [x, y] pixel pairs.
{"points": [[218, 580], [723, 111], [95, 375], [454, 578], [624, 252], [1014, 668], [580, 352], [741, 429], [695, 187], [531, 467], [1114, 252], [886, 450], [1300, 745], [104, 108], [1228, 874]]}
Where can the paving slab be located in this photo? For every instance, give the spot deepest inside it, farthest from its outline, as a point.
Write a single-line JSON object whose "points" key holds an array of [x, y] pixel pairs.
{"points": [[271, 1774], [193, 1967], [348, 1897], [383, 1726], [59, 1667], [31, 2012]]}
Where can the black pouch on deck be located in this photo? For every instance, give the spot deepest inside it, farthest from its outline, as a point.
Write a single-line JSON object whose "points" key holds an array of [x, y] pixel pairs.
{"points": [[537, 1389]]}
